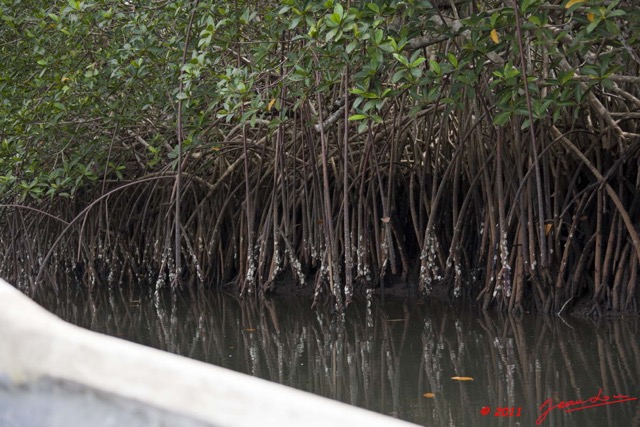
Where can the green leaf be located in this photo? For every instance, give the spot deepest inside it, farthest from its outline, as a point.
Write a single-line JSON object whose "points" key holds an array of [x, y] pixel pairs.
{"points": [[494, 19], [402, 59], [370, 104], [535, 20], [416, 72], [378, 35], [615, 13], [435, 67], [357, 117], [417, 62], [592, 26], [386, 47], [338, 10], [565, 76], [453, 60], [74, 4], [294, 22], [397, 76], [526, 4], [374, 7], [330, 35], [501, 118]]}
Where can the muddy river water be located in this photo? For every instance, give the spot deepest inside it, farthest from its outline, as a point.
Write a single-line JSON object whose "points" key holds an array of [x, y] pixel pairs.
{"points": [[426, 363]]}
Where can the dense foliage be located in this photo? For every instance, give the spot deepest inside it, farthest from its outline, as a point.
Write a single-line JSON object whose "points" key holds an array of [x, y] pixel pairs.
{"points": [[492, 144]]}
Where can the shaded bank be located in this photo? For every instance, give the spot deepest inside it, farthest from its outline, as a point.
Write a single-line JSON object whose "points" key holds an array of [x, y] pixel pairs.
{"points": [[126, 238]]}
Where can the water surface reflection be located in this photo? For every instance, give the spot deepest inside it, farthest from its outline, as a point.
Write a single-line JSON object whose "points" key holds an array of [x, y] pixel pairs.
{"points": [[395, 358]]}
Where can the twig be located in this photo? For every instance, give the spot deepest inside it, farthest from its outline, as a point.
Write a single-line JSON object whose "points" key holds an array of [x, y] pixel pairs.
{"points": [[323, 126], [563, 306], [180, 135]]}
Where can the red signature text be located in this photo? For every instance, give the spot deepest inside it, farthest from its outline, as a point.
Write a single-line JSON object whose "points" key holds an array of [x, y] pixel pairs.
{"points": [[578, 405]]}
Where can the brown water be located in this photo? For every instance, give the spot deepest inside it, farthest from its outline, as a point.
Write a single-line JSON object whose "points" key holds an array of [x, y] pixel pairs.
{"points": [[397, 358]]}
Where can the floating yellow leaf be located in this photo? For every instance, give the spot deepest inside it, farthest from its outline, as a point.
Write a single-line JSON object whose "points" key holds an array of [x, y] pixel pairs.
{"points": [[250, 329], [65, 79], [429, 395], [462, 378], [273, 101], [591, 17], [572, 2], [494, 36], [548, 228]]}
